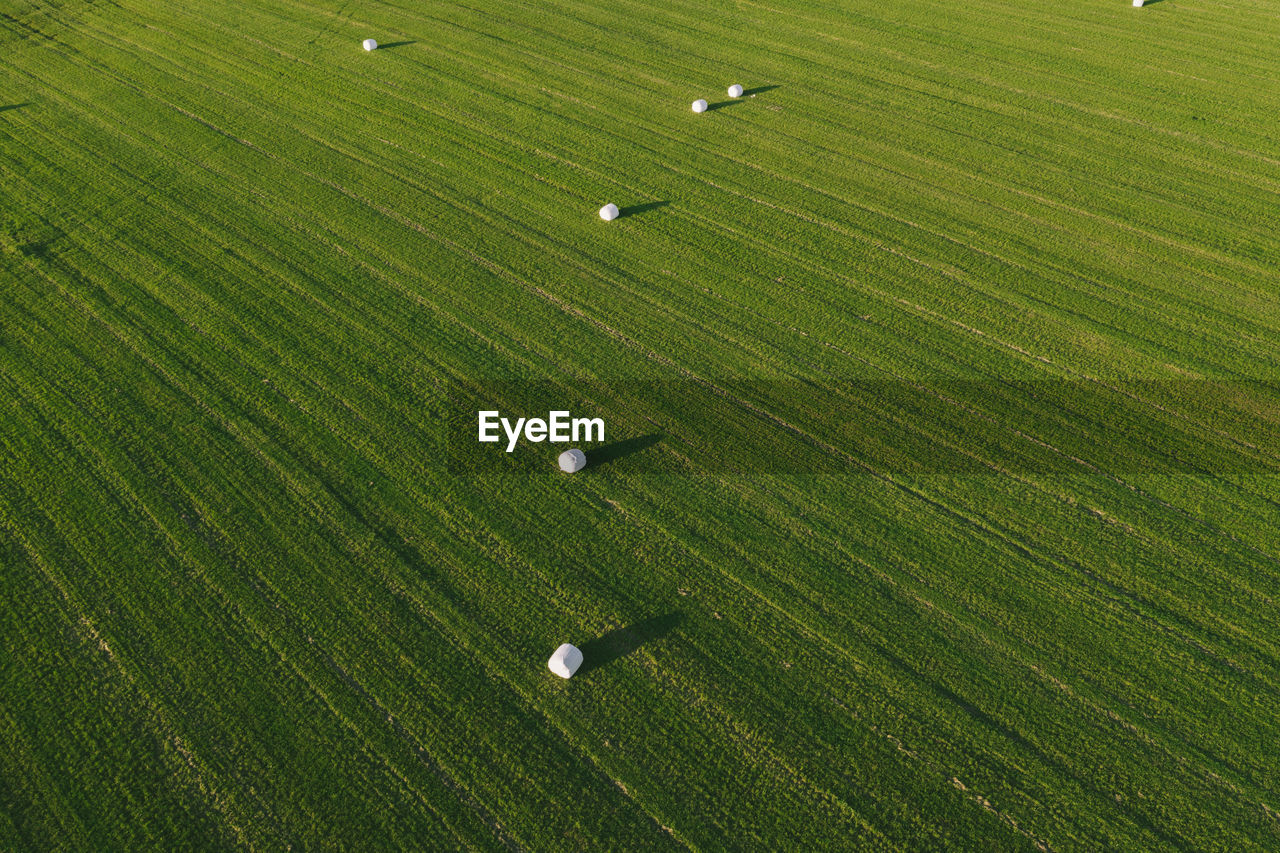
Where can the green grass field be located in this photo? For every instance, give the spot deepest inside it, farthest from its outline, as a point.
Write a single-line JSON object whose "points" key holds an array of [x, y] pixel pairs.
{"points": [[940, 505]]}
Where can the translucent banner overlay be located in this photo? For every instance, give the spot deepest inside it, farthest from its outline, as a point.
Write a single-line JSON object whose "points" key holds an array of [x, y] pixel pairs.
{"points": [[952, 427]]}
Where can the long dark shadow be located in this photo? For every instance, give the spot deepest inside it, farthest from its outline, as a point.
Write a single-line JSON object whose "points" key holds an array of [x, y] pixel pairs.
{"points": [[391, 44], [38, 250], [6, 107], [633, 209], [621, 642], [747, 93], [618, 449]]}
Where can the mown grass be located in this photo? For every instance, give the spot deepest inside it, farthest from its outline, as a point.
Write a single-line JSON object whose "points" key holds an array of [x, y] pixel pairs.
{"points": [[948, 364]]}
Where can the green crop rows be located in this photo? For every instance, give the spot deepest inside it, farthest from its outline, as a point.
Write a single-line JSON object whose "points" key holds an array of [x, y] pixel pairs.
{"points": [[945, 366]]}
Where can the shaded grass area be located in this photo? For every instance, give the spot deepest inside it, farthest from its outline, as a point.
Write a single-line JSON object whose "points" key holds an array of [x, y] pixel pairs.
{"points": [[947, 515], [621, 642]]}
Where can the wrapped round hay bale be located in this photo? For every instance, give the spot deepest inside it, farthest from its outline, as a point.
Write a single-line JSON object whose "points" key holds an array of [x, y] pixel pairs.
{"points": [[1137, 3], [609, 212], [700, 106], [565, 660], [735, 91], [573, 460], [370, 44]]}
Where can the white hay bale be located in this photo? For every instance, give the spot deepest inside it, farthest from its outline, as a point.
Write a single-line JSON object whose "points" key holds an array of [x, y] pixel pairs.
{"points": [[370, 44], [565, 660], [700, 106], [1137, 4], [735, 91], [609, 213], [574, 460]]}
